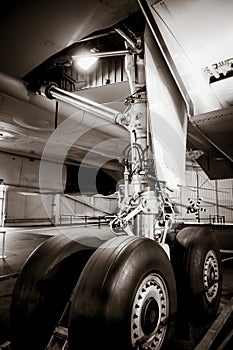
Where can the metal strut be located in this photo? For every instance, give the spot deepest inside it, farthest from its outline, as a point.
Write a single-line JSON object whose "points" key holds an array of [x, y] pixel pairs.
{"points": [[59, 337], [52, 91], [142, 197]]}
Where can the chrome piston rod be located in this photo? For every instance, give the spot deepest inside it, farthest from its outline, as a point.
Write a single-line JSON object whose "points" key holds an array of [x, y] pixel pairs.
{"points": [[53, 92]]}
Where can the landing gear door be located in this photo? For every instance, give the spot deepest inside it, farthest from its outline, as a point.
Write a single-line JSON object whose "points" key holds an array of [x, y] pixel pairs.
{"points": [[167, 116]]}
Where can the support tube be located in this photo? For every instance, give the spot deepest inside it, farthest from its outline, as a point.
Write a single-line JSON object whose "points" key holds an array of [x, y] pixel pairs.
{"points": [[53, 92]]}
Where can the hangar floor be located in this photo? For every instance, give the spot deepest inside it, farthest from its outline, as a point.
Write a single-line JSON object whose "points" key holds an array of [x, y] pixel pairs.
{"points": [[20, 242]]}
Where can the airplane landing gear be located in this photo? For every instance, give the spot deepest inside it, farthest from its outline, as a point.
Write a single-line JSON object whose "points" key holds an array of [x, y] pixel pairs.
{"points": [[122, 293]]}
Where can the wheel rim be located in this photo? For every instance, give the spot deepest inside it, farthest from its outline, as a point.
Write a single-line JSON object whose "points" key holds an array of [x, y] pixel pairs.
{"points": [[211, 276], [150, 313]]}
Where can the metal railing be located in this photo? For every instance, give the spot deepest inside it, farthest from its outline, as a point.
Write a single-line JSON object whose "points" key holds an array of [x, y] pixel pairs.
{"points": [[217, 219], [85, 220]]}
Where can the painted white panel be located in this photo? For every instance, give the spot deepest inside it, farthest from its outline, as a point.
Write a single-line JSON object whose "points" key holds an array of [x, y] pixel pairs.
{"points": [[167, 117], [31, 173], [197, 35]]}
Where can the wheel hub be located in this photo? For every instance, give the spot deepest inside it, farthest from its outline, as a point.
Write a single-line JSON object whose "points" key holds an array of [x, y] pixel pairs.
{"points": [[149, 314], [211, 276]]}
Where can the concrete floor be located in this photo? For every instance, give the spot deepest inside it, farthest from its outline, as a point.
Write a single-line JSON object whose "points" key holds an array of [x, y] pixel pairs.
{"points": [[20, 242]]}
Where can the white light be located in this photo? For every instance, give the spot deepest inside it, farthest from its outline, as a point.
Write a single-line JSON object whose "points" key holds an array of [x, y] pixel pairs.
{"points": [[86, 62], [5, 135]]}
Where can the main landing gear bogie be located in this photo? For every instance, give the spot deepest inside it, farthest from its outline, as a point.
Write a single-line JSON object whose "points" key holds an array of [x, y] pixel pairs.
{"points": [[124, 293]]}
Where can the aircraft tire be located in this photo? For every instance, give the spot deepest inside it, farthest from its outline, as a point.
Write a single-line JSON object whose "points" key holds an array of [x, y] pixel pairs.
{"points": [[196, 261], [44, 287], [125, 298]]}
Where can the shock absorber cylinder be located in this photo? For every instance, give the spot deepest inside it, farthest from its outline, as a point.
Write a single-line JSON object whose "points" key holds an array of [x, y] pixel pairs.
{"points": [[145, 221]]}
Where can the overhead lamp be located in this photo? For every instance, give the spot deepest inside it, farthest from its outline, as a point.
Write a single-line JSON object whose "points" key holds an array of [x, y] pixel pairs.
{"points": [[86, 61], [5, 135]]}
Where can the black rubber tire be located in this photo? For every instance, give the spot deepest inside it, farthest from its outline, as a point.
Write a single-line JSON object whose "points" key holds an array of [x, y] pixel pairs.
{"points": [[195, 255], [105, 300], [44, 287]]}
